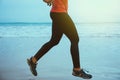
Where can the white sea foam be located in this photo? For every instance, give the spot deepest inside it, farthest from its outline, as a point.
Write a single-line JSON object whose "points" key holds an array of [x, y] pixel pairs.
{"points": [[37, 30]]}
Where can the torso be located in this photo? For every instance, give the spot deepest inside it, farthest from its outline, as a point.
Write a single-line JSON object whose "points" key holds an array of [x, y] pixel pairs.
{"points": [[60, 6]]}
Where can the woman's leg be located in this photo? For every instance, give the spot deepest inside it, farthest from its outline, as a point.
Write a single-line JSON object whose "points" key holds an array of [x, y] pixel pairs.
{"points": [[71, 33], [55, 38], [68, 28]]}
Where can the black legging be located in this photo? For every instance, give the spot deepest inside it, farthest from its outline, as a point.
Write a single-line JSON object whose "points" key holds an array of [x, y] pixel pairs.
{"points": [[62, 24]]}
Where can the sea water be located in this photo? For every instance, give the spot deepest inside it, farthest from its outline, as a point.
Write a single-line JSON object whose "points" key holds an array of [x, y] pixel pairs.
{"points": [[44, 29]]}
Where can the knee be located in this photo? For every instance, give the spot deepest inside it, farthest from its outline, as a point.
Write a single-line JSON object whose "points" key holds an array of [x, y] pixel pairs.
{"points": [[75, 40], [53, 42]]}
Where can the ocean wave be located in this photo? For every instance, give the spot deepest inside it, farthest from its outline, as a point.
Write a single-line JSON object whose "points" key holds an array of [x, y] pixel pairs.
{"points": [[44, 29]]}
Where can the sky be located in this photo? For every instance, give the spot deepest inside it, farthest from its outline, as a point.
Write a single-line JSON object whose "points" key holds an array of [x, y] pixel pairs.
{"points": [[83, 11]]}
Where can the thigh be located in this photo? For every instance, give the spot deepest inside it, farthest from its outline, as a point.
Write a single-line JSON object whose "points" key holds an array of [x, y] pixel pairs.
{"points": [[64, 24], [69, 29], [56, 33]]}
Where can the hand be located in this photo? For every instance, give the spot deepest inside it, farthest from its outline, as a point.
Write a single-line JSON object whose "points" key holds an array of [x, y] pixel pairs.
{"points": [[49, 2]]}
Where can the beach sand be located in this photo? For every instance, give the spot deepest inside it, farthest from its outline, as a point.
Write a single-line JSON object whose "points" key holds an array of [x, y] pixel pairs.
{"points": [[99, 55]]}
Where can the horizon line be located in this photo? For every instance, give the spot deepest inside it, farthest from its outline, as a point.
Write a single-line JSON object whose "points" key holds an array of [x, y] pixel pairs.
{"points": [[51, 22]]}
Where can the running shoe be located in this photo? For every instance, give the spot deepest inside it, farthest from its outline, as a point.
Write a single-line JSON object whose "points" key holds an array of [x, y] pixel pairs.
{"points": [[81, 74], [32, 66]]}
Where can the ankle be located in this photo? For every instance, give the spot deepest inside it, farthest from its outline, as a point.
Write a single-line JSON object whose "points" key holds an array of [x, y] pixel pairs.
{"points": [[34, 60], [77, 69]]}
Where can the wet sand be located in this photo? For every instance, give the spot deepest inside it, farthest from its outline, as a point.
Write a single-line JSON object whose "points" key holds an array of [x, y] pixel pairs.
{"points": [[100, 56]]}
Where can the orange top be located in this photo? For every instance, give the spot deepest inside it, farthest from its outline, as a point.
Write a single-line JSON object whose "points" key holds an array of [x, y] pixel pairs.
{"points": [[59, 6]]}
